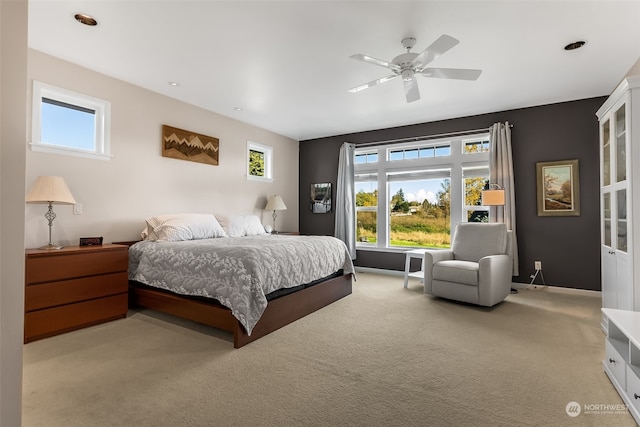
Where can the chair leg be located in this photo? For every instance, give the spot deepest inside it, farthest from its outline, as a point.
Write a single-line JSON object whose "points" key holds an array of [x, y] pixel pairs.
{"points": [[407, 267]]}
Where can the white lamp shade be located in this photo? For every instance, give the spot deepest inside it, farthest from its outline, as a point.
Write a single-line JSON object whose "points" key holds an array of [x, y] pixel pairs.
{"points": [[493, 198], [50, 189], [276, 203]]}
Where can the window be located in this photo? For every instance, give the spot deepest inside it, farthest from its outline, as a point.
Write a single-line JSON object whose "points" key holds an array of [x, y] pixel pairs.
{"points": [[420, 152], [419, 207], [366, 186], [366, 158], [66, 122], [259, 162], [475, 180], [414, 192], [477, 145]]}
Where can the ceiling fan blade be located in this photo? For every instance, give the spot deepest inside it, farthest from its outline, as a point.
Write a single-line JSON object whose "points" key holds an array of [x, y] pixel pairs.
{"points": [[411, 90], [452, 73], [372, 83], [437, 48], [375, 61]]}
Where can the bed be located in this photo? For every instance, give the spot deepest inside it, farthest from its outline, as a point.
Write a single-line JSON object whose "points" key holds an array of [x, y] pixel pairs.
{"points": [[247, 283]]}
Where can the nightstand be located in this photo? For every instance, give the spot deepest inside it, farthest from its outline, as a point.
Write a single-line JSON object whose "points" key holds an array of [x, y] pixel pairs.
{"points": [[74, 287]]}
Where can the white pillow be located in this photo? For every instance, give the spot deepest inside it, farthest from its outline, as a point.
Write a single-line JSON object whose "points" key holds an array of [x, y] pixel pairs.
{"points": [[172, 228], [245, 225]]}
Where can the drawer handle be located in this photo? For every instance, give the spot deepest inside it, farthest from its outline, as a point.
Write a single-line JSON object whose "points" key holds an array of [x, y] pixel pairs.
{"points": [[611, 360], [635, 396]]}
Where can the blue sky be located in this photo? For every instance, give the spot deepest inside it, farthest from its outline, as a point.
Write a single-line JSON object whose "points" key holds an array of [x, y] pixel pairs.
{"points": [[413, 190], [67, 127]]}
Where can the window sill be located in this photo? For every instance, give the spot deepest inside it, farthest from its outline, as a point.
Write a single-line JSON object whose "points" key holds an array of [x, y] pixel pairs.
{"points": [[259, 178], [394, 250], [378, 249], [68, 152]]}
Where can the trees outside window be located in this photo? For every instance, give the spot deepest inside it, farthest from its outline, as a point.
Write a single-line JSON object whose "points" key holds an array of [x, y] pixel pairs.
{"points": [[259, 162]]}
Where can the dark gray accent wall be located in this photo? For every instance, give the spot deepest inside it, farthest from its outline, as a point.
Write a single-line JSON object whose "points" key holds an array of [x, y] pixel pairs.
{"points": [[569, 247]]}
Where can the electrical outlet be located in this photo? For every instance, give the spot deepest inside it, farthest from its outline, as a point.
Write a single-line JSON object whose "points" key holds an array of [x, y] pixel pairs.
{"points": [[537, 265]]}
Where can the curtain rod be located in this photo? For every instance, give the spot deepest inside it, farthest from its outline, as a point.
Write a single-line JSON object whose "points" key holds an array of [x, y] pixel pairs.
{"points": [[424, 137]]}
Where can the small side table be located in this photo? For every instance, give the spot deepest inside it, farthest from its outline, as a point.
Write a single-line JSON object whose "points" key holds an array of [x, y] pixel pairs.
{"points": [[416, 253]]}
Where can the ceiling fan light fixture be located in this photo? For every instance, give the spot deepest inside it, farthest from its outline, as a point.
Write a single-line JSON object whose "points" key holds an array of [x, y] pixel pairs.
{"points": [[85, 19], [407, 75], [575, 45]]}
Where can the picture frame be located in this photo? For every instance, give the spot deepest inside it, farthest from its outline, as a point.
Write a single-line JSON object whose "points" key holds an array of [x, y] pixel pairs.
{"points": [[320, 201], [558, 188], [186, 145]]}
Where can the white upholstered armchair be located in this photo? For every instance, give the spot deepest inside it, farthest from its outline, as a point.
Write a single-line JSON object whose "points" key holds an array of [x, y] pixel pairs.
{"points": [[477, 269]]}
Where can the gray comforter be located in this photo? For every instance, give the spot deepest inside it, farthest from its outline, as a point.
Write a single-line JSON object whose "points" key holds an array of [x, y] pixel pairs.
{"points": [[238, 271]]}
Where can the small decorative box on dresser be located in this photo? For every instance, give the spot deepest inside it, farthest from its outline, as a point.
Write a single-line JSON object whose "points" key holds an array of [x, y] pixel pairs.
{"points": [[74, 287], [622, 356]]}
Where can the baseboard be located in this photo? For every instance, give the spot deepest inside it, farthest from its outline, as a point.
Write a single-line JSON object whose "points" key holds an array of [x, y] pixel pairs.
{"points": [[556, 289], [514, 285], [561, 290], [379, 271]]}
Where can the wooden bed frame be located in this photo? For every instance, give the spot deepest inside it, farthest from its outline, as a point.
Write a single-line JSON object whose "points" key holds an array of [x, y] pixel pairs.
{"points": [[279, 312]]}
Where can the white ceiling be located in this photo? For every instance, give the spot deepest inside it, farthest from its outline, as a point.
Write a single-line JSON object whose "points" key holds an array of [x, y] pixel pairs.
{"points": [[287, 65]]}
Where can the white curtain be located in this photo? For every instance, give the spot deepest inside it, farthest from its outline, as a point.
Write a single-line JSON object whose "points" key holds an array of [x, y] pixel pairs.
{"points": [[345, 228], [501, 173]]}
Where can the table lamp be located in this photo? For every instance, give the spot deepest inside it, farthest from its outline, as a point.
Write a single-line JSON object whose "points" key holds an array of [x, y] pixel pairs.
{"points": [[50, 189], [493, 197], [275, 203]]}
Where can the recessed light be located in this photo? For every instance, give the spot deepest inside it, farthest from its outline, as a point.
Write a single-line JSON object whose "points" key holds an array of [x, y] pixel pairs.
{"points": [[174, 84], [85, 19], [238, 108], [575, 45]]}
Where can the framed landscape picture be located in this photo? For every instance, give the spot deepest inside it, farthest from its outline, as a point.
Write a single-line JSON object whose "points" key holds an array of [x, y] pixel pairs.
{"points": [[186, 145], [558, 188]]}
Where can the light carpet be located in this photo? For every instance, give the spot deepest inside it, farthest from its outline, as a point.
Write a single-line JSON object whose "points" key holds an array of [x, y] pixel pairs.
{"points": [[383, 356]]}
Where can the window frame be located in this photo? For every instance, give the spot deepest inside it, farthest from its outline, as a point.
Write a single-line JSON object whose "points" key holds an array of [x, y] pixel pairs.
{"points": [[457, 161], [268, 161], [102, 121]]}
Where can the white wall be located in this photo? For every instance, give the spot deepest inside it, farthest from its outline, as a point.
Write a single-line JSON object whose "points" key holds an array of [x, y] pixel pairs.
{"points": [[13, 88], [118, 195]]}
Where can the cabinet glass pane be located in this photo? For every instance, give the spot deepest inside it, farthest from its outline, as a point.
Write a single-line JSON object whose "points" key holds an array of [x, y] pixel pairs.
{"points": [[621, 196], [606, 202], [621, 153], [606, 154]]}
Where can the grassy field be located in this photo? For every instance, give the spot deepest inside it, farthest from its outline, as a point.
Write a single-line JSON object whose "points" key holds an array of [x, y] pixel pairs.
{"points": [[407, 230]]}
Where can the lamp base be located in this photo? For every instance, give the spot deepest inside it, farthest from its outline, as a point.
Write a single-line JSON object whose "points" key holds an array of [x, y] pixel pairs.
{"points": [[51, 246]]}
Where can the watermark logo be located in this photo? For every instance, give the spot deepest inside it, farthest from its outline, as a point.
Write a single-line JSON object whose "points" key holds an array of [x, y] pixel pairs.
{"points": [[573, 409]]}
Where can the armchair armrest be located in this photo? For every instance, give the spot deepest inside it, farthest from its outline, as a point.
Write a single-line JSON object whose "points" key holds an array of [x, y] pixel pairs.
{"points": [[494, 281], [432, 256]]}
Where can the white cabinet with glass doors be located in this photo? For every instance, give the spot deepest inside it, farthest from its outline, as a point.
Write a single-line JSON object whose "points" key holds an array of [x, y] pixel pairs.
{"points": [[619, 156]]}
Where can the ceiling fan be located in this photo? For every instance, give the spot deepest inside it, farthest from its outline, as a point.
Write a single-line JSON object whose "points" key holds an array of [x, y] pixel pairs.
{"points": [[408, 64]]}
